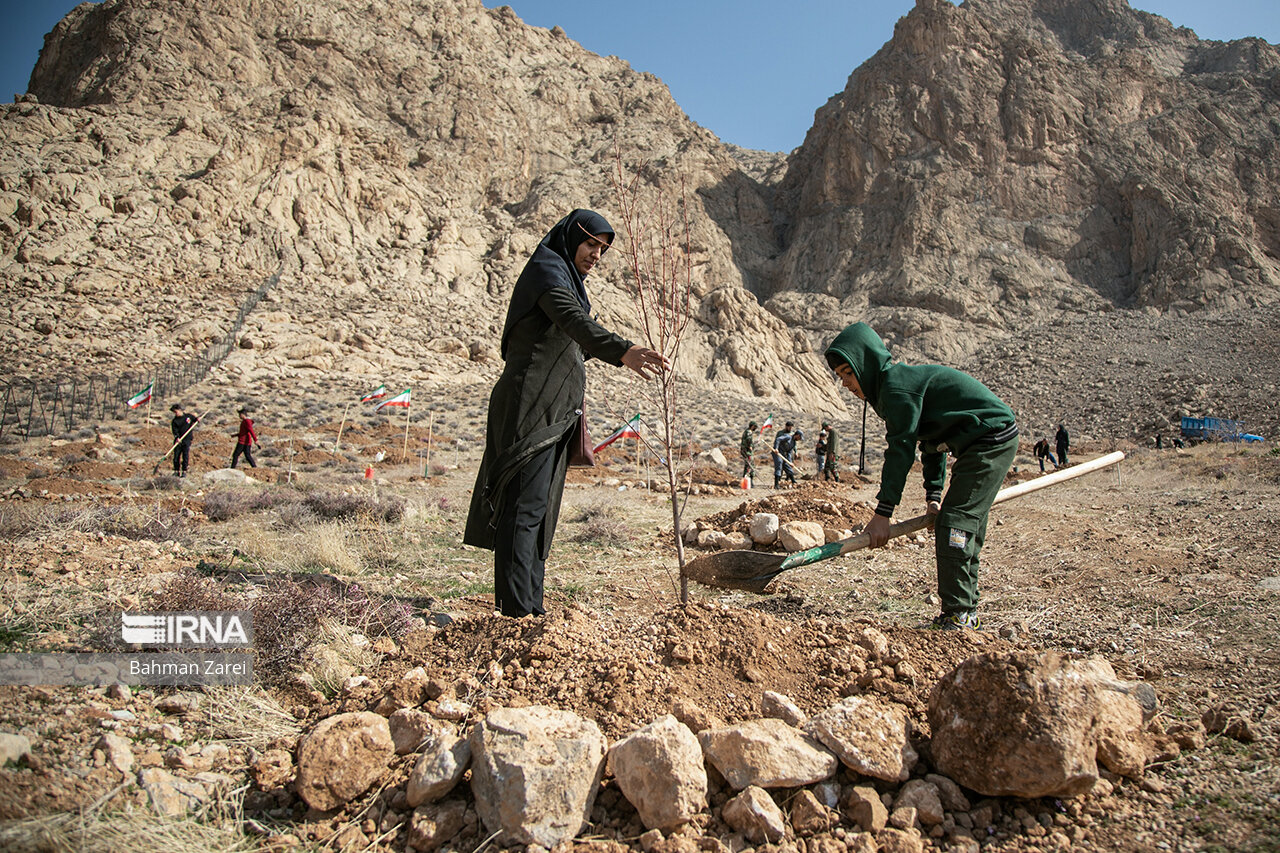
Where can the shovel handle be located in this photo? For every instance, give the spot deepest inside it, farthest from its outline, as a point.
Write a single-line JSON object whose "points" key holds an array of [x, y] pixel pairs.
{"points": [[920, 522]]}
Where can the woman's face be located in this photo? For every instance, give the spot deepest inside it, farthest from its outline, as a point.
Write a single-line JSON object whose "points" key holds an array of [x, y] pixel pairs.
{"points": [[589, 251]]}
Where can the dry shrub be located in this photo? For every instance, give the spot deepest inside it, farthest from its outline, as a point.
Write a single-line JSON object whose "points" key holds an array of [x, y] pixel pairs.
{"points": [[336, 505], [224, 505], [602, 524], [155, 523], [287, 615]]}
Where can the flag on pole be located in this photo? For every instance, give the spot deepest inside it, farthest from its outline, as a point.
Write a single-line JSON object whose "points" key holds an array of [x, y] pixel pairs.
{"points": [[768, 423], [631, 429], [376, 394], [401, 399], [141, 397]]}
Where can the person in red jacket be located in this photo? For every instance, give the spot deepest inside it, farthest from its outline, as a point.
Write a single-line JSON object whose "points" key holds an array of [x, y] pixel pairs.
{"points": [[245, 440]]}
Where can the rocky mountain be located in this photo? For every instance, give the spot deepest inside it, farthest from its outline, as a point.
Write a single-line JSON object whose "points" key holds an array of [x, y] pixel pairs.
{"points": [[996, 166]]}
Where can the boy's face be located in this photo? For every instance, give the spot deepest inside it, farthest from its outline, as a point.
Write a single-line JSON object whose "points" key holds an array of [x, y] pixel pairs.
{"points": [[845, 374]]}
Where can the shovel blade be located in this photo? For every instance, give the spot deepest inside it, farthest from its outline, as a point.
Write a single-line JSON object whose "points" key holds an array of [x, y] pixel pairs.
{"points": [[746, 570]]}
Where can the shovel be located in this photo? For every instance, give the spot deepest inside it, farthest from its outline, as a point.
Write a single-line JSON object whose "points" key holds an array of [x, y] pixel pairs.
{"points": [[754, 570]]}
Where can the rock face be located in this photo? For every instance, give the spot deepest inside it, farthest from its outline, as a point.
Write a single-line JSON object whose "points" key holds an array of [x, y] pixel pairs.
{"points": [[992, 164], [394, 160], [1000, 159], [1031, 724]]}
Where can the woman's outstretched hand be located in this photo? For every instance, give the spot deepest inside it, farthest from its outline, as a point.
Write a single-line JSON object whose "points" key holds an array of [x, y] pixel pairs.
{"points": [[647, 362]]}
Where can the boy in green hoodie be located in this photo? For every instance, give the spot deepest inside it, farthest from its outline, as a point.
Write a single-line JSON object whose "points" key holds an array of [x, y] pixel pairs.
{"points": [[943, 410]]}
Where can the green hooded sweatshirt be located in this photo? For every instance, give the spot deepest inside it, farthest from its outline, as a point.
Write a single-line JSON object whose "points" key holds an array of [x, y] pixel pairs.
{"points": [[941, 408]]}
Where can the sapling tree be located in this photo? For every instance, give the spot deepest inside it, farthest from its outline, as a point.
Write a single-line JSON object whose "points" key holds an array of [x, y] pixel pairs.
{"points": [[656, 244]]}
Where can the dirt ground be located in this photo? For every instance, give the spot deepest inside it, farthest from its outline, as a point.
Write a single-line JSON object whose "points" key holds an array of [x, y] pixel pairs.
{"points": [[1165, 566]]}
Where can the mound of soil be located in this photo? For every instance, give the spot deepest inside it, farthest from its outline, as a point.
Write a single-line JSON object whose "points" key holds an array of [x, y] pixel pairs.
{"points": [[830, 504], [624, 673]]}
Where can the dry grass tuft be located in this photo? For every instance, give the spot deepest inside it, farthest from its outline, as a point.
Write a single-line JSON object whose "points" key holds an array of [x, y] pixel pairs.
{"points": [[247, 716]]}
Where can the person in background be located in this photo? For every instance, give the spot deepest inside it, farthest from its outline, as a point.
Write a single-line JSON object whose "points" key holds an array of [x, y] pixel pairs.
{"points": [[820, 451], [944, 411], [784, 453], [1063, 441], [747, 447], [1043, 452], [536, 403], [246, 440], [830, 470], [183, 427]]}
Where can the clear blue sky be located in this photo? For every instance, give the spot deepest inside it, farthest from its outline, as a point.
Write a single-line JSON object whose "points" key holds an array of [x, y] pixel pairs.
{"points": [[752, 71]]}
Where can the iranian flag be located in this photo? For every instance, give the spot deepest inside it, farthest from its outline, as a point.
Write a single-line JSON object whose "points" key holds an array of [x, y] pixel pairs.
{"points": [[376, 394], [401, 399], [631, 429], [768, 423], [141, 397]]}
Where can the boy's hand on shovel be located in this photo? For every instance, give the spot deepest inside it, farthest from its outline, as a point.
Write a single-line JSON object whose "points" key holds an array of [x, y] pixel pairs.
{"points": [[877, 530]]}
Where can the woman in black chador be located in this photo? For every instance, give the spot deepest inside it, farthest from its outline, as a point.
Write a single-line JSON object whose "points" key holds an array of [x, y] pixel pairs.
{"points": [[536, 403]]}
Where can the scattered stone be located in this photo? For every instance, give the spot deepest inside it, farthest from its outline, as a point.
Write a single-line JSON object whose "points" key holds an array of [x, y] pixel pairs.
{"points": [[411, 728], [693, 715], [766, 753], [870, 737], [921, 795], [754, 813], [169, 795], [867, 809], [433, 825], [782, 708], [118, 751], [13, 748], [535, 773], [660, 770], [342, 757], [763, 528], [438, 770], [808, 816], [800, 535]]}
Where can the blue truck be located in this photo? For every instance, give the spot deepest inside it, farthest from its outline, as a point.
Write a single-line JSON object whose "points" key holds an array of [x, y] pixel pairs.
{"points": [[1216, 429]]}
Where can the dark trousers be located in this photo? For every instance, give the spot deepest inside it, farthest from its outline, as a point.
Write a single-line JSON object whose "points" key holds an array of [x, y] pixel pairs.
{"points": [[181, 456], [518, 567], [961, 527], [245, 450], [1062, 454]]}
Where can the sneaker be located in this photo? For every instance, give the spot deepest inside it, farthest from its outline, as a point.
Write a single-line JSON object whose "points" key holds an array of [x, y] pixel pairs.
{"points": [[957, 620]]}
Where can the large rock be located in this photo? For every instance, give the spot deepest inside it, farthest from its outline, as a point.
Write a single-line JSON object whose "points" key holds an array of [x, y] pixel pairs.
{"points": [[800, 535], [870, 737], [1030, 724], [535, 773], [763, 528], [438, 769], [660, 771], [342, 757], [766, 753]]}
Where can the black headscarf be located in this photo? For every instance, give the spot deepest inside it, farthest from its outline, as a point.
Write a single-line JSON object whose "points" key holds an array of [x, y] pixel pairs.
{"points": [[551, 265]]}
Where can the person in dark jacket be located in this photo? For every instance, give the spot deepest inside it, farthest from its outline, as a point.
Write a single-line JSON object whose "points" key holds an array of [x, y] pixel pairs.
{"points": [[246, 439], [535, 406], [1063, 441], [943, 411], [747, 447], [182, 426], [784, 454], [830, 465], [1043, 453]]}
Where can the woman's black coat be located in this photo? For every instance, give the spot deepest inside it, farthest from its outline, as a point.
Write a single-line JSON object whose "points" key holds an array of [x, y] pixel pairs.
{"points": [[536, 401]]}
